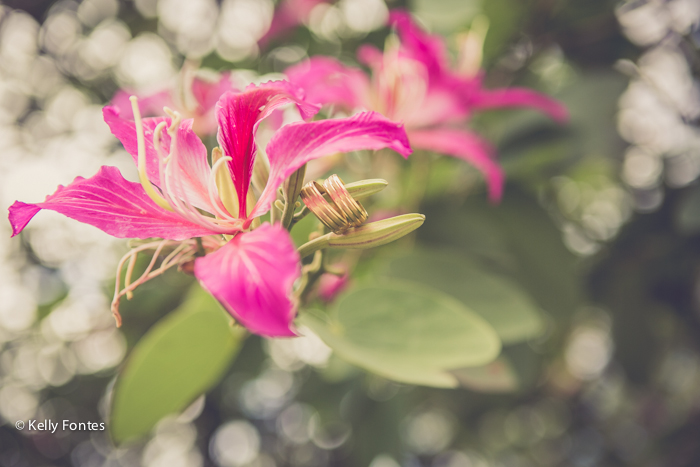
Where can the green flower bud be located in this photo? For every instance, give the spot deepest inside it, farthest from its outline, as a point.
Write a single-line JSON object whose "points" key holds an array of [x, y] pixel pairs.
{"points": [[358, 190], [365, 188], [366, 236]]}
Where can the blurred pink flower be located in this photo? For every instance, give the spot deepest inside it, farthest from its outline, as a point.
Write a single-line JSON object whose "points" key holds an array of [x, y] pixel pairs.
{"points": [[330, 285], [288, 15], [252, 274], [412, 82], [195, 97]]}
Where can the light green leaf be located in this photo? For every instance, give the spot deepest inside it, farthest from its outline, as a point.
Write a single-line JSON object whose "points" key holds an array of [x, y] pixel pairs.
{"points": [[446, 15], [390, 368], [181, 357], [406, 332], [497, 376], [498, 300]]}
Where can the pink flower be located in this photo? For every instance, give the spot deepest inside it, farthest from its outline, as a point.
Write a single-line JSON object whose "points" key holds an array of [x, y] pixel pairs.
{"points": [[195, 98], [179, 197], [330, 285], [412, 82], [288, 15]]}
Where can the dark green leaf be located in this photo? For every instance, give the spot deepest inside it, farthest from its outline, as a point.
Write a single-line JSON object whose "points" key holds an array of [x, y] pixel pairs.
{"points": [[498, 300], [517, 238]]}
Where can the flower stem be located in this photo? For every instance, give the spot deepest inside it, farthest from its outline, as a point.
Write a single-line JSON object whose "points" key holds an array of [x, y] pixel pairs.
{"points": [[313, 246]]}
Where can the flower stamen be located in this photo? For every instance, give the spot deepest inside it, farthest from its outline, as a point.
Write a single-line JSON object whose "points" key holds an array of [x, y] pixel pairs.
{"points": [[183, 253], [224, 185], [175, 195], [212, 188], [141, 143]]}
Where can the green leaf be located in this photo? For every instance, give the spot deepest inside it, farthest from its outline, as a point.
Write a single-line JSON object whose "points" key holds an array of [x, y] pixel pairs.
{"points": [[406, 332], [498, 300], [497, 376], [506, 18], [594, 135], [181, 357], [545, 266], [518, 238], [446, 15], [391, 368]]}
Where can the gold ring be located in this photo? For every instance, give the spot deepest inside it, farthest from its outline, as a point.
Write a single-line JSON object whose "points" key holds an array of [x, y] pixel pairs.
{"points": [[312, 196], [354, 211]]}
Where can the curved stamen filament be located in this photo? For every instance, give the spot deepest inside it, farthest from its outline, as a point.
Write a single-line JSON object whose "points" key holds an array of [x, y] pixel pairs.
{"points": [[174, 190], [224, 184], [182, 253], [162, 160], [128, 257], [175, 119], [172, 200], [212, 186], [141, 144], [129, 272]]}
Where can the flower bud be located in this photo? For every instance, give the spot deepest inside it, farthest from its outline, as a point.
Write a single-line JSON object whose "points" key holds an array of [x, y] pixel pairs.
{"points": [[377, 233], [365, 188], [330, 286], [366, 236]]}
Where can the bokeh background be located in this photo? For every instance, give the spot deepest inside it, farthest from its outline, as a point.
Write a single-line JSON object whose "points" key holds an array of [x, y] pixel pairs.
{"points": [[600, 224]]}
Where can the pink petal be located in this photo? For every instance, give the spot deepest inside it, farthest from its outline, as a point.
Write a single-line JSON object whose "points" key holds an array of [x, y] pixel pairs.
{"points": [[405, 91], [419, 45], [466, 146], [328, 81], [520, 97], [112, 204], [239, 115], [125, 131], [207, 94], [331, 285], [370, 56], [288, 15], [192, 169], [297, 143], [149, 105], [439, 106], [252, 277]]}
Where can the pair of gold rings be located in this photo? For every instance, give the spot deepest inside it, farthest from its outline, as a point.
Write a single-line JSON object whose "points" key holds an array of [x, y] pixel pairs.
{"points": [[339, 215]]}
